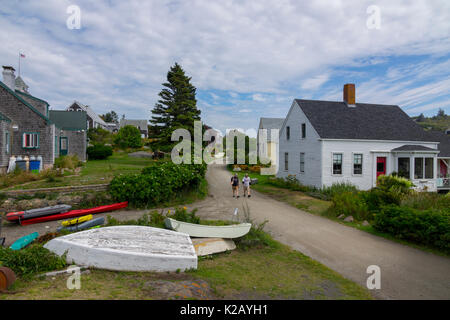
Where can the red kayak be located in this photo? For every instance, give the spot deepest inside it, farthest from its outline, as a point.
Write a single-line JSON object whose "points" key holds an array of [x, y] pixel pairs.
{"points": [[75, 213]]}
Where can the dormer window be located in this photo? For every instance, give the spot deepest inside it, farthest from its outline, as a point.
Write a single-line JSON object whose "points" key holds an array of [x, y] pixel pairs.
{"points": [[303, 130], [288, 133]]}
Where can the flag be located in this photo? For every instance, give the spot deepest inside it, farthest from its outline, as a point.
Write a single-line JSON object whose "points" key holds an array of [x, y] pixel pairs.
{"points": [[22, 55]]}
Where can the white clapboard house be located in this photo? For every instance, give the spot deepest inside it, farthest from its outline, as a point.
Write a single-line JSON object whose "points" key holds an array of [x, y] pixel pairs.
{"points": [[326, 142]]}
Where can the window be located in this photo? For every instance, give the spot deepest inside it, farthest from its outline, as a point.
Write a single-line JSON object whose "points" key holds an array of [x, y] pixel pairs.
{"points": [[30, 140], [423, 168], [418, 168], [429, 169], [7, 142], [303, 130], [288, 133], [403, 168], [357, 163], [286, 160], [337, 163], [302, 162]]}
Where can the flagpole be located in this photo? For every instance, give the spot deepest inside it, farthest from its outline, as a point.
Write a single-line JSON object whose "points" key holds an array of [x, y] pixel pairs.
{"points": [[19, 63]]}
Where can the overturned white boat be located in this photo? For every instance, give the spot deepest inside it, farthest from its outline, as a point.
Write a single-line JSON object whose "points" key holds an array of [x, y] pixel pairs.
{"points": [[204, 231], [127, 248]]}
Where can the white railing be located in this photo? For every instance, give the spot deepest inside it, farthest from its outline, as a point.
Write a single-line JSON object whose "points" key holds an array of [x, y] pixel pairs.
{"points": [[443, 182]]}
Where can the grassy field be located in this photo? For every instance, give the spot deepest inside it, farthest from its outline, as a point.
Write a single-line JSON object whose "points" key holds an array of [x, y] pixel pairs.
{"points": [[93, 172], [263, 272]]}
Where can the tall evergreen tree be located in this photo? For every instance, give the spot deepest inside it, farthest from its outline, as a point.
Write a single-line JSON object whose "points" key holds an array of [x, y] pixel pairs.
{"points": [[176, 108]]}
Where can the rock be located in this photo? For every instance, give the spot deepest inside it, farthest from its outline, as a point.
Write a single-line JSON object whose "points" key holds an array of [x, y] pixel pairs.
{"points": [[349, 219], [365, 223], [342, 216], [141, 154]]}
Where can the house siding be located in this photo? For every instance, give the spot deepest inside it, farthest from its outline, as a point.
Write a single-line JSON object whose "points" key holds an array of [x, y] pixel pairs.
{"points": [[370, 150], [311, 146], [77, 143], [28, 121], [4, 155]]}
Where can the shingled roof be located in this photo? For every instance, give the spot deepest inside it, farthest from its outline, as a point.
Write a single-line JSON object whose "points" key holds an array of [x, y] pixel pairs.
{"points": [[336, 120], [444, 142], [68, 120], [269, 124]]}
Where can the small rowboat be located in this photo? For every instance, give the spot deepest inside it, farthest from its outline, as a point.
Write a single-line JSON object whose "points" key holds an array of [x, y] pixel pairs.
{"points": [[76, 213], [203, 231], [127, 248], [24, 241], [39, 212], [85, 225]]}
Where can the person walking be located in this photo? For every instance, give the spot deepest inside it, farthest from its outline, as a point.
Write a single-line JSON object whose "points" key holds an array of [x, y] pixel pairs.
{"points": [[246, 182], [235, 185]]}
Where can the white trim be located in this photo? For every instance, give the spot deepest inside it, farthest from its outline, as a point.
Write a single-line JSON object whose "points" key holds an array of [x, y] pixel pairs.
{"points": [[353, 164], [332, 164], [374, 140]]}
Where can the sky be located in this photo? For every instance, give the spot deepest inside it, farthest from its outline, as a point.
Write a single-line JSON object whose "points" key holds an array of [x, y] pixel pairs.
{"points": [[247, 59]]}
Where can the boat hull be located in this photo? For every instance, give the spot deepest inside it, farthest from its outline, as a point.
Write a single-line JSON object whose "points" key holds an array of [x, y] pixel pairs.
{"points": [[84, 225], [203, 231], [39, 212], [127, 248], [75, 213], [207, 246], [24, 241]]}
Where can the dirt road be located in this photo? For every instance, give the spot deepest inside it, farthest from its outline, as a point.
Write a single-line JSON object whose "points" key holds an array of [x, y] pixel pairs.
{"points": [[406, 273]]}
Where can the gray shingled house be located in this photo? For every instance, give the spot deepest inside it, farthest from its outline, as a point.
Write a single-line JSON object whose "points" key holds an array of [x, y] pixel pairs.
{"points": [[142, 125], [326, 142], [268, 144], [25, 126]]}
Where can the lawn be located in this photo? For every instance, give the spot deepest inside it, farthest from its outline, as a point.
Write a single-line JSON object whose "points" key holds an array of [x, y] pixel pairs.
{"points": [[93, 172], [260, 272]]}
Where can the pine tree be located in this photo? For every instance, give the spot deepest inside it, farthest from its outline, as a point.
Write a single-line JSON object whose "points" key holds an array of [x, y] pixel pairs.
{"points": [[176, 108]]}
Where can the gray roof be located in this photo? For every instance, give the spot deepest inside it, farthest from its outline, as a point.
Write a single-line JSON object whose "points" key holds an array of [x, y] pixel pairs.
{"points": [[413, 147], [336, 120], [444, 142], [69, 120], [141, 124], [270, 123], [95, 117]]}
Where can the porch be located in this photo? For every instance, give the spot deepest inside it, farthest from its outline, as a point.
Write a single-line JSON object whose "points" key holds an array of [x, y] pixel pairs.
{"points": [[443, 178]]}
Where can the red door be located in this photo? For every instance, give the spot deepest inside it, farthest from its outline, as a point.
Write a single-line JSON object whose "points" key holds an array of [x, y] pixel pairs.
{"points": [[381, 166]]}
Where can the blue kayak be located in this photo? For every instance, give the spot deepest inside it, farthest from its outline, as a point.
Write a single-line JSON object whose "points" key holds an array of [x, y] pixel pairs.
{"points": [[24, 241], [84, 225]]}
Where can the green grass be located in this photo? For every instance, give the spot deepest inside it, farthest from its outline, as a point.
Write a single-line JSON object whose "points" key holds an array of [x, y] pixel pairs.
{"points": [[270, 271], [94, 172]]}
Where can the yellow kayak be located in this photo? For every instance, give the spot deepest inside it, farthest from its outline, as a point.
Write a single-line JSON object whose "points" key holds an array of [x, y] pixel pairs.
{"points": [[77, 220]]}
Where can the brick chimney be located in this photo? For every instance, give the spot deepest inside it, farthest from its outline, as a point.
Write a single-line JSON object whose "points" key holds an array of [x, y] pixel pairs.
{"points": [[349, 93], [9, 78]]}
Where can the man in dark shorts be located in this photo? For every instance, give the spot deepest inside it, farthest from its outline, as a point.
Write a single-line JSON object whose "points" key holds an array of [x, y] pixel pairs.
{"points": [[235, 185]]}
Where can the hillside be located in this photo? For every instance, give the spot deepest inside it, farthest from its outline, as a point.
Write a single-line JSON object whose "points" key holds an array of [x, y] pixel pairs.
{"points": [[439, 122]]}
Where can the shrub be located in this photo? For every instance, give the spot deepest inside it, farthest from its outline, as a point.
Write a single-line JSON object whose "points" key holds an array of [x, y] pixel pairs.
{"points": [[181, 214], [426, 200], [429, 227], [290, 182], [69, 162], [350, 204], [157, 183], [337, 188], [30, 261], [394, 184], [128, 137], [99, 152], [99, 136]]}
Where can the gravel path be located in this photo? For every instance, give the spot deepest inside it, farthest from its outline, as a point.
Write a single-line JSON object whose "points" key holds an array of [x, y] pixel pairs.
{"points": [[406, 273]]}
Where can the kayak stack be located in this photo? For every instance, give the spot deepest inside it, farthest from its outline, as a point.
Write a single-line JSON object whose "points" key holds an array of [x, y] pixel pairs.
{"points": [[59, 212], [82, 223]]}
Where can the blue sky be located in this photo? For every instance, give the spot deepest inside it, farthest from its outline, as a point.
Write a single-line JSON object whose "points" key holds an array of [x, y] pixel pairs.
{"points": [[248, 59]]}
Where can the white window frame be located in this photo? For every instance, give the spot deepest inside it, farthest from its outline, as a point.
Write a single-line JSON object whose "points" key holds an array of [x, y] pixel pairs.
{"points": [[353, 163], [34, 140], [302, 162], [342, 164]]}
